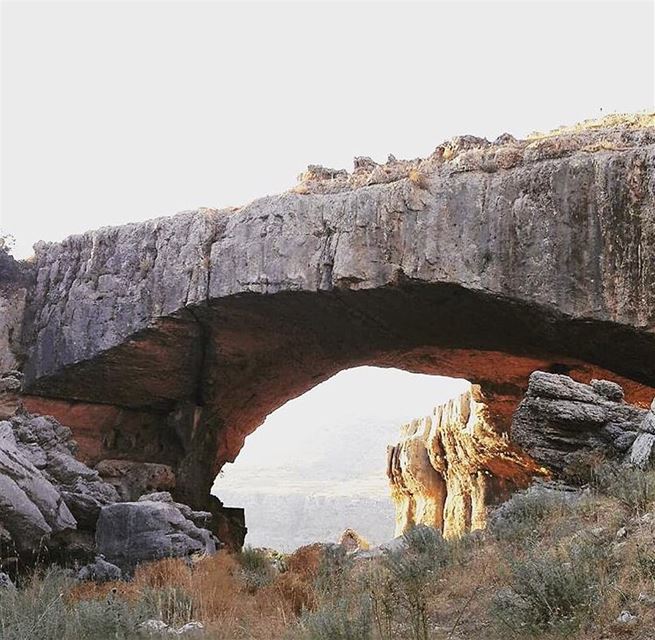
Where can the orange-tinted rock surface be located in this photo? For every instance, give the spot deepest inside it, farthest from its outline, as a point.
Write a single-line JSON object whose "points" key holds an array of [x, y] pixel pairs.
{"points": [[449, 467]]}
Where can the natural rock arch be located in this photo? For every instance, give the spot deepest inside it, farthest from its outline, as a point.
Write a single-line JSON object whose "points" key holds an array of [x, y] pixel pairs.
{"points": [[172, 339]]}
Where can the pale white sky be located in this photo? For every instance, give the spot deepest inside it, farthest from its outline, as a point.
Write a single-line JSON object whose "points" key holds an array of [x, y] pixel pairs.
{"points": [[324, 423], [121, 111]]}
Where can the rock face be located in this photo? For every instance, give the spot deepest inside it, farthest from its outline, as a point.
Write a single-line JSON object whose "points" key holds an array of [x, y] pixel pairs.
{"points": [[450, 466], [485, 261], [51, 502], [560, 419], [152, 528], [134, 479], [45, 493]]}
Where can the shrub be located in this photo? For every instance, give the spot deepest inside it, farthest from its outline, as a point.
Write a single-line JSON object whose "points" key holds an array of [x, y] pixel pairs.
{"points": [[519, 518], [646, 564], [414, 571], [41, 610], [333, 576], [256, 568], [378, 583], [634, 488], [340, 619], [583, 467], [172, 604], [419, 179], [549, 590]]}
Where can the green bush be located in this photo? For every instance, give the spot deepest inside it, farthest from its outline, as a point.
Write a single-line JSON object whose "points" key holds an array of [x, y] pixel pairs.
{"points": [[646, 564], [378, 583], [634, 488], [339, 619], [550, 590], [171, 604], [334, 573], [520, 518], [414, 571], [257, 568], [42, 610]]}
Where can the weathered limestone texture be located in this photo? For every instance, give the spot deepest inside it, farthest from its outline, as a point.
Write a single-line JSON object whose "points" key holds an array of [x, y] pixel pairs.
{"points": [[45, 493], [560, 420], [155, 527], [450, 466]]}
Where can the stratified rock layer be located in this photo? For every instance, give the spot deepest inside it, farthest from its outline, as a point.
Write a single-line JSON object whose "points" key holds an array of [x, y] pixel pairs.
{"points": [[560, 420], [450, 466]]}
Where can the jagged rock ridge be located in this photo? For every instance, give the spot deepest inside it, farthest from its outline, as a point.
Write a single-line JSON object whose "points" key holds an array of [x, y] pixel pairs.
{"points": [[450, 467]]}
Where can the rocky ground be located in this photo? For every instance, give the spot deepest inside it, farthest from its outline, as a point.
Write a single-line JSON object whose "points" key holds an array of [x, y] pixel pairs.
{"points": [[55, 508], [554, 562]]}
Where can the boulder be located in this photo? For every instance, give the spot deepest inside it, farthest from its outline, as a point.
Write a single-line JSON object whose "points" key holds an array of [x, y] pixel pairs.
{"points": [[5, 581], [352, 541], [559, 419], [201, 519], [45, 493], [159, 628], [129, 533], [31, 507], [100, 571], [642, 450]]}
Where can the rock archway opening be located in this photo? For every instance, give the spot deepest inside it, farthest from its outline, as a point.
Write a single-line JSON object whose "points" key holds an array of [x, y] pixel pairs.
{"points": [[318, 464]]}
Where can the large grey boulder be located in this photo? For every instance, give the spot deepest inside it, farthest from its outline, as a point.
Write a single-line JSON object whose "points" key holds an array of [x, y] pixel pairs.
{"points": [[559, 419], [201, 519], [129, 533]]}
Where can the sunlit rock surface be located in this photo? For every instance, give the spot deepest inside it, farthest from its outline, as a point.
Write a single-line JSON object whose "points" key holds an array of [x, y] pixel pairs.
{"points": [[448, 467]]}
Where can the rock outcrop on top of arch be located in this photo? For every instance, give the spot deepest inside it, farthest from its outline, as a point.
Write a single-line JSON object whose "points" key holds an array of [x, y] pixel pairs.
{"points": [[168, 341]]}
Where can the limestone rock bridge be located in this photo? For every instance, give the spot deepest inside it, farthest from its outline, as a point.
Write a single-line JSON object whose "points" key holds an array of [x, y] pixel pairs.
{"points": [[171, 340]]}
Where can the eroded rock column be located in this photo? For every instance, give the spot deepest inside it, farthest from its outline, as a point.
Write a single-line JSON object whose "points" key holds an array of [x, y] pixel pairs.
{"points": [[449, 466]]}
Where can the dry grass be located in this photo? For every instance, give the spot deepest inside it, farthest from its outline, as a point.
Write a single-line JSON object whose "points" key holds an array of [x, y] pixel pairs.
{"points": [[629, 120], [313, 597], [419, 179], [214, 593]]}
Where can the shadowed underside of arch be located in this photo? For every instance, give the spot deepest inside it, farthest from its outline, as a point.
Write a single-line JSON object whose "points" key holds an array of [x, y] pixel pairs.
{"points": [[212, 376]]}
